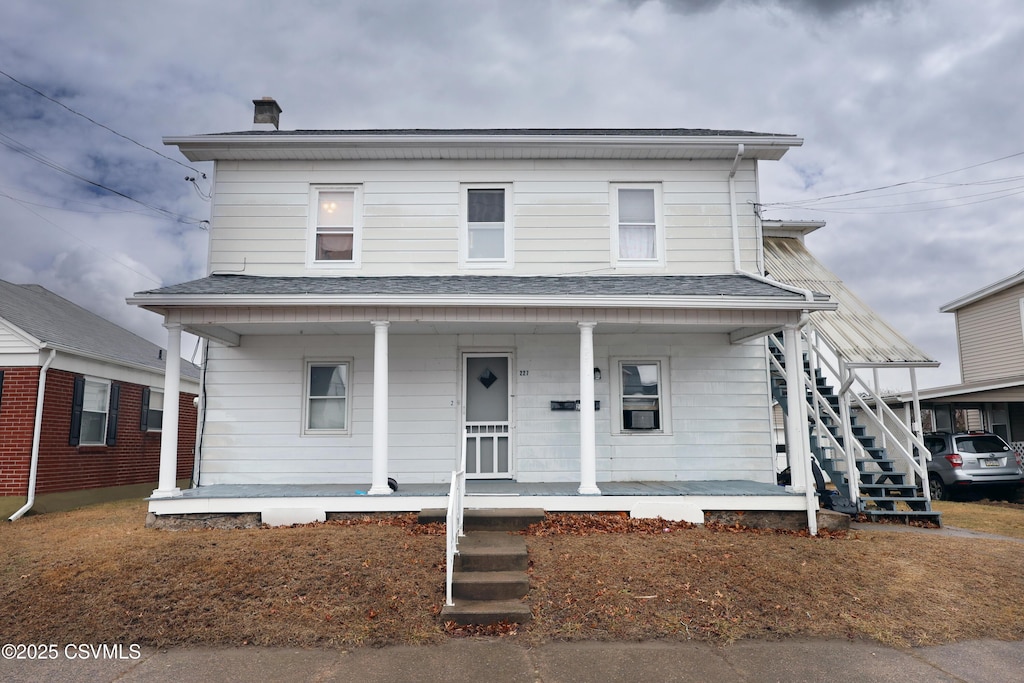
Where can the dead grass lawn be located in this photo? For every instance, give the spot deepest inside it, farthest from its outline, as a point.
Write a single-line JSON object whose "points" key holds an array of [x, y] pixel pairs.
{"points": [[97, 575]]}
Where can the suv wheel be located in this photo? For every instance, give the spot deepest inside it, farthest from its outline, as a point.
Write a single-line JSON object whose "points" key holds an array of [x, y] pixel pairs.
{"points": [[939, 490]]}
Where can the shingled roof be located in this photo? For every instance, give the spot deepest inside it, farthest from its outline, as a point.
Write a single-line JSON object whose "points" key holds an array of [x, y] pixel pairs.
{"points": [[60, 324], [468, 285]]}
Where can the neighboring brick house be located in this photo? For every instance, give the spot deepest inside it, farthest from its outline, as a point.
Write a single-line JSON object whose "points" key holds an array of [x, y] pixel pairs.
{"points": [[101, 409]]}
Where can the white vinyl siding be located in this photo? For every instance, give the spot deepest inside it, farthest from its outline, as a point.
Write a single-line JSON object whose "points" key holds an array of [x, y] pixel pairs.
{"points": [[411, 224], [989, 333], [720, 426]]}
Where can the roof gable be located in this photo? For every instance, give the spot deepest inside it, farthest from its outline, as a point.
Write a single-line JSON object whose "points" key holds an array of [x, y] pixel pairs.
{"points": [[984, 292]]}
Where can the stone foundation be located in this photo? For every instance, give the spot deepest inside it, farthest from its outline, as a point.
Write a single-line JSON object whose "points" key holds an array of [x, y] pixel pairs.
{"points": [[789, 520], [241, 520]]}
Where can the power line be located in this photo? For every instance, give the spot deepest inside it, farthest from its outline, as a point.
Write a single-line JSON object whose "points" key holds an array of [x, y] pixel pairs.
{"points": [[73, 235], [103, 126], [27, 151], [804, 202]]}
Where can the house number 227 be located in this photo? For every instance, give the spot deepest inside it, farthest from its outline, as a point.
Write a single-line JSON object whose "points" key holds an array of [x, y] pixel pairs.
{"points": [[524, 373]]}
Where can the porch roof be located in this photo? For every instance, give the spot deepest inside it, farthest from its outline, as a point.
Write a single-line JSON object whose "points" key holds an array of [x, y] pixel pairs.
{"points": [[855, 331], [717, 291]]}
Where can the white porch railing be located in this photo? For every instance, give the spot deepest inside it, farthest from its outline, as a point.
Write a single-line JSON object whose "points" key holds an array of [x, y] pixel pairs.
{"points": [[454, 528]]}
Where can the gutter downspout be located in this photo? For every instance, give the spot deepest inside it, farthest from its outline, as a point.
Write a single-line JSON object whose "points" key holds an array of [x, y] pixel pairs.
{"points": [[732, 209], [36, 431]]}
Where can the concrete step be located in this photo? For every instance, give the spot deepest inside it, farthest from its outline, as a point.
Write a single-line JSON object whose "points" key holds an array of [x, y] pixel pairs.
{"points": [[489, 551], [507, 585], [487, 612], [487, 519]]}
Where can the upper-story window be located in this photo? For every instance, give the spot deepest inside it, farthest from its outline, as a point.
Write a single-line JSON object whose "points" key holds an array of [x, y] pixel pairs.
{"points": [[334, 230], [637, 233], [486, 239]]}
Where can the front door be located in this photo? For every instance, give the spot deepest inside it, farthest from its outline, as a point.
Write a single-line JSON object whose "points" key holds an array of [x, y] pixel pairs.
{"points": [[487, 451]]}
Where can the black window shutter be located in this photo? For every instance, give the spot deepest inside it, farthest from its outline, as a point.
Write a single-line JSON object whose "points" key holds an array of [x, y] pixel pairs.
{"points": [[77, 398], [144, 421], [115, 400], [1, 387]]}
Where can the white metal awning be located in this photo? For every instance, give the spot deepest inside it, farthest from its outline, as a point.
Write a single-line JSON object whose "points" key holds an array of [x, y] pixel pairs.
{"points": [[854, 331]]}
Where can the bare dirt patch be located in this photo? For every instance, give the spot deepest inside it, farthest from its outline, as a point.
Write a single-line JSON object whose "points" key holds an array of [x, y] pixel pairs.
{"points": [[97, 575]]}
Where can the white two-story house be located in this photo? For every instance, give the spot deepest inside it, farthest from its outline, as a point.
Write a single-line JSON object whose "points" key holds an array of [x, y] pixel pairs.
{"points": [[575, 317]]}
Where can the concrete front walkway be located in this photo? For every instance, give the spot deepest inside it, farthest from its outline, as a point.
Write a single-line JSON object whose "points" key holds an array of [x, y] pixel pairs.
{"points": [[498, 661]]}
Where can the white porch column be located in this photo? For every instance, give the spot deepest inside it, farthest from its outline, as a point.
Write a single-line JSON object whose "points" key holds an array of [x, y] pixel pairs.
{"points": [[166, 487], [588, 445], [379, 477], [796, 410]]}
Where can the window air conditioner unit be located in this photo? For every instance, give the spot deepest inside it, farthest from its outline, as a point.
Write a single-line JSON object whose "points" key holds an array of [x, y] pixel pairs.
{"points": [[639, 419]]}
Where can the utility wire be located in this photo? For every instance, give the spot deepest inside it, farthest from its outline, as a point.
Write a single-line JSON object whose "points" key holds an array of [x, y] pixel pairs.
{"points": [[71, 234], [104, 127], [794, 203], [27, 151]]}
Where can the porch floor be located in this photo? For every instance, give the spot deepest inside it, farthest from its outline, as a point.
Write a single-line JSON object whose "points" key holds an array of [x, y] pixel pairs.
{"points": [[494, 487]]}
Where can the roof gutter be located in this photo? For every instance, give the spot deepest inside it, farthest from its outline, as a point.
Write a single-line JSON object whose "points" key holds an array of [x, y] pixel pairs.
{"points": [[36, 432]]}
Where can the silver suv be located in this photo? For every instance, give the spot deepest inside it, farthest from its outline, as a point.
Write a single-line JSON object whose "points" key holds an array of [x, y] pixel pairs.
{"points": [[968, 460]]}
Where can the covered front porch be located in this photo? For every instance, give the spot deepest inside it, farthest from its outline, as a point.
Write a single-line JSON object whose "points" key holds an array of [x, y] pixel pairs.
{"points": [[295, 504]]}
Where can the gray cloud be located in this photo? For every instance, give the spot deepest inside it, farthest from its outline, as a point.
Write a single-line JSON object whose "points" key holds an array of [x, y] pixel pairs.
{"points": [[881, 92]]}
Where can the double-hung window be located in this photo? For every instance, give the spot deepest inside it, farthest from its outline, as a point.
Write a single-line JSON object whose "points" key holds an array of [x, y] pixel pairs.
{"points": [[637, 233], [334, 230], [486, 240], [641, 389], [327, 397], [94, 409]]}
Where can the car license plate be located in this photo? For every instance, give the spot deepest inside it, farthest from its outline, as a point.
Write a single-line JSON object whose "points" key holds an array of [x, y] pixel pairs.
{"points": [[990, 462]]}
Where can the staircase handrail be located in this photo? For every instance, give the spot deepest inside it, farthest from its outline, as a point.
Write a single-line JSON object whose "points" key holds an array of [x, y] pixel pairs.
{"points": [[920, 468], [454, 522], [820, 405]]}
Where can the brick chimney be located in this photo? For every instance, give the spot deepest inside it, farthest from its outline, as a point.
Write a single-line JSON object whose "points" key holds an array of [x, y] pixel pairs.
{"points": [[267, 115]]}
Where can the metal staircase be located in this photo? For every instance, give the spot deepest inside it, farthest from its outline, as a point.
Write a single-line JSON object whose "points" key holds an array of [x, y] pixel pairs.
{"points": [[880, 489]]}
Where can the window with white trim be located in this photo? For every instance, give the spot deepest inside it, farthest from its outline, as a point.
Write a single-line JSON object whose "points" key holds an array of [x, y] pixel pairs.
{"points": [[641, 391], [94, 411], [637, 232], [327, 397], [335, 217], [486, 235]]}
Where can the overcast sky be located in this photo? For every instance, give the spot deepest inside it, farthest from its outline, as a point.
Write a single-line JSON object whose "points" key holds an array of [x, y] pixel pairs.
{"points": [[924, 99]]}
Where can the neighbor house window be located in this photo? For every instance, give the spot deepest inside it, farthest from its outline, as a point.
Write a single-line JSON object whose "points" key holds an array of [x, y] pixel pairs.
{"points": [[94, 409], [640, 395], [486, 226], [152, 410], [335, 214], [637, 225], [327, 396]]}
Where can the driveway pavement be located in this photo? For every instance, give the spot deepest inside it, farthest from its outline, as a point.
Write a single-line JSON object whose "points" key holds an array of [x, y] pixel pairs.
{"points": [[500, 661]]}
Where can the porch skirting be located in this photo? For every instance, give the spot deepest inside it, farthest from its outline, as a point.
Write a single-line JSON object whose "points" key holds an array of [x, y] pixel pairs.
{"points": [[678, 500]]}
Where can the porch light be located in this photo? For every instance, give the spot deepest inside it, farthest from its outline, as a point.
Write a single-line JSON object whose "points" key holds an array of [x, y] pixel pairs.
{"points": [[597, 374]]}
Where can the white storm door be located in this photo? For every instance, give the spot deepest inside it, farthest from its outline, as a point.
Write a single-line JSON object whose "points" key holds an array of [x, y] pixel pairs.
{"points": [[486, 397]]}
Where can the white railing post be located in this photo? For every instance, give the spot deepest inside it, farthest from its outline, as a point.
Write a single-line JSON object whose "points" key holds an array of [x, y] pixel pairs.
{"points": [[454, 529]]}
